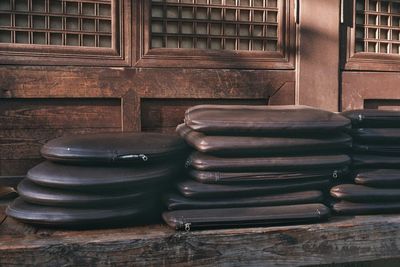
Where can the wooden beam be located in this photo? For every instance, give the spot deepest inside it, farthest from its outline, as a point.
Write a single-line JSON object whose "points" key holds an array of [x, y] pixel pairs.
{"points": [[342, 240], [318, 66]]}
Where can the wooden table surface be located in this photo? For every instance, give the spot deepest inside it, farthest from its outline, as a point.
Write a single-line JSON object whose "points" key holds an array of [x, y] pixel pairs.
{"points": [[341, 240]]}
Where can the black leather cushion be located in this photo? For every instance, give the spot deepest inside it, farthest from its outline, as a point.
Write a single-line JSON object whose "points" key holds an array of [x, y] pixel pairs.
{"points": [[41, 195], [204, 162], [349, 208], [361, 193], [375, 161], [239, 217], [377, 149], [228, 119], [377, 135], [379, 177], [373, 118], [257, 145], [130, 213], [96, 178], [215, 177], [178, 202], [194, 189], [114, 148]]}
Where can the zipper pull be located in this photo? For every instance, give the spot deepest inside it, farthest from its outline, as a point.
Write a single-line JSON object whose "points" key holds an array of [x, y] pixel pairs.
{"points": [[187, 227], [360, 117], [128, 157], [187, 163]]}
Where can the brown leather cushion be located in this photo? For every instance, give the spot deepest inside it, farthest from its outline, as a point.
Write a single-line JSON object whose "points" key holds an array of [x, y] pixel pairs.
{"points": [[239, 217], [377, 149], [375, 161], [376, 135], [228, 119], [114, 148], [361, 193], [178, 202], [204, 162], [192, 189], [131, 213], [349, 208], [100, 178], [215, 177], [41, 195], [257, 145], [378, 177], [373, 118]]}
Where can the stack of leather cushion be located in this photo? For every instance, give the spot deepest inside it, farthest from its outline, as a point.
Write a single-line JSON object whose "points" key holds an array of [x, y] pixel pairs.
{"points": [[375, 185], [257, 165], [99, 180]]}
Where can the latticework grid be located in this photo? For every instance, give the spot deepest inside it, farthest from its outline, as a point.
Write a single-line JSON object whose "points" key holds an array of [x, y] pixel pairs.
{"points": [[56, 22], [249, 25], [378, 26]]}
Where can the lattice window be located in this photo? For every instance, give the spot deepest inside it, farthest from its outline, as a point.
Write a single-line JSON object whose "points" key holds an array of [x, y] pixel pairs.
{"points": [[83, 23], [245, 25], [377, 26]]}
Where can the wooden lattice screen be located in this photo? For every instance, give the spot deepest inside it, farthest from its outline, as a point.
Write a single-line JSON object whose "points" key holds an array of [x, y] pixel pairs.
{"points": [[378, 26], [84, 23], [249, 25]]}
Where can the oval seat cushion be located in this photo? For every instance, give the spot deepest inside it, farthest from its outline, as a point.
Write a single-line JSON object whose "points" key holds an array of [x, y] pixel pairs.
{"points": [[249, 216], [226, 119], [77, 217], [193, 189], [376, 135], [374, 118], [377, 149], [178, 202], [361, 193], [114, 148], [375, 161], [36, 194], [204, 162], [102, 177], [215, 177], [263, 145], [378, 177], [349, 208]]}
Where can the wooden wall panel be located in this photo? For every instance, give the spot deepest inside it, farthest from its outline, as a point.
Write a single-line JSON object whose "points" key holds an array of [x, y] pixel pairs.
{"points": [[367, 89], [39, 103], [26, 124]]}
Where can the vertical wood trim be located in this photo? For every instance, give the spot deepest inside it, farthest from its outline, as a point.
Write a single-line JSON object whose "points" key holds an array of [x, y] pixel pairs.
{"points": [[319, 54], [130, 109]]}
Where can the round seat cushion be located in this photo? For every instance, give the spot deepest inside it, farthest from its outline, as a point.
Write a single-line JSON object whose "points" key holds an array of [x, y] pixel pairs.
{"points": [[100, 177], [114, 148], [36, 194], [79, 217]]}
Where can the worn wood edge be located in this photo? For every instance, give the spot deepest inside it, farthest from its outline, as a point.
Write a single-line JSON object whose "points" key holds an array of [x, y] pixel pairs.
{"points": [[344, 239]]}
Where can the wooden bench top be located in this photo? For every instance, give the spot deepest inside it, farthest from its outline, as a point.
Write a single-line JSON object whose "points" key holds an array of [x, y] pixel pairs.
{"points": [[342, 239]]}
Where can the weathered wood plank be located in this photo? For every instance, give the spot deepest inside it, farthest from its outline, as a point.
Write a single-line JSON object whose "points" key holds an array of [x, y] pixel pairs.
{"points": [[350, 239], [361, 87]]}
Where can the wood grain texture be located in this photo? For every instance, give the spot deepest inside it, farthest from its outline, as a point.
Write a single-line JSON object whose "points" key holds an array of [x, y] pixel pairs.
{"points": [[351, 239], [359, 87], [319, 54]]}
